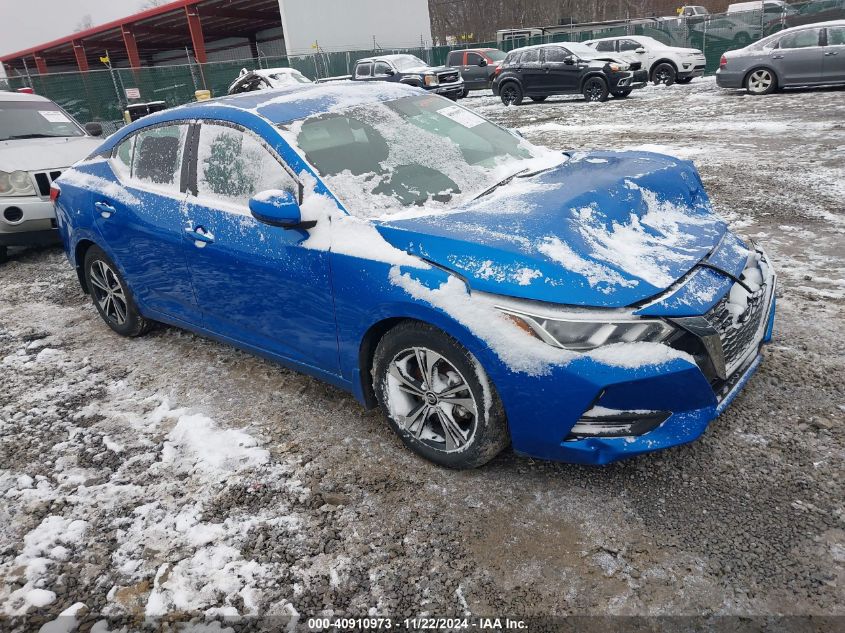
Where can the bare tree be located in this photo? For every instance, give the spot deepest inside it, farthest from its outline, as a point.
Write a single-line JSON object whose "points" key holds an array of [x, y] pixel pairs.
{"points": [[84, 24]]}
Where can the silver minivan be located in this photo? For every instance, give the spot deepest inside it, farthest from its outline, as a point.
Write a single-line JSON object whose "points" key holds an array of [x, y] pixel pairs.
{"points": [[807, 55]]}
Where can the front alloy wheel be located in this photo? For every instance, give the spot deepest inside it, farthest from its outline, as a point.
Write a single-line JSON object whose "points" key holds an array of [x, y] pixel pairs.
{"points": [[595, 89], [437, 398], [760, 82], [664, 74], [511, 93]]}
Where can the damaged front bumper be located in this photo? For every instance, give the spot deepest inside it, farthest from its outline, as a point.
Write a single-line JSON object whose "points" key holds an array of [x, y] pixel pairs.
{"points": [[631, 411]]}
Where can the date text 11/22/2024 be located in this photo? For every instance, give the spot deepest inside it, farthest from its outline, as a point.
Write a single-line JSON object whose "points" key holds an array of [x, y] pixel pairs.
{"points": [[416, 624]]}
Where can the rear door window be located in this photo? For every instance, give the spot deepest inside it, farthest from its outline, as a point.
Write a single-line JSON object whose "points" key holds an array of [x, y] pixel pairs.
{"points": [[531, 57], [836, 36], [801, 39], [456, 58], [233, 165], [606, 46], [122, 158], [157, 158], [364, 70]]}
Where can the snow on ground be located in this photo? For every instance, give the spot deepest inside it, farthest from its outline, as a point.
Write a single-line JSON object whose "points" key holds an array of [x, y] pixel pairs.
{"points": [[172, 474]]}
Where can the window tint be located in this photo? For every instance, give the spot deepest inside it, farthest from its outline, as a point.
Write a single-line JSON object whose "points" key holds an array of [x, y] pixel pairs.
{"points": [[232, 166], [382, 68], [555, 55], [456, 58], [605, 47], [364, 70], [629, 45], [513, 59], [158, 155], [801, 39], [836, 36], [473, 59], [122, 157], [531, 56]]}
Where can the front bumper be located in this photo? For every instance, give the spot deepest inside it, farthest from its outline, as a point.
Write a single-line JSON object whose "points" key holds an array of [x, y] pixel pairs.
{"points": [[639, 410], [27, 220], [630, 79], [693, 68], [452, 91]]}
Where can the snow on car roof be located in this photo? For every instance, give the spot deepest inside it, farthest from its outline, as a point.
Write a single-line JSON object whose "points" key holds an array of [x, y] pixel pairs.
{"points": [[21, 96], [269, 72]]}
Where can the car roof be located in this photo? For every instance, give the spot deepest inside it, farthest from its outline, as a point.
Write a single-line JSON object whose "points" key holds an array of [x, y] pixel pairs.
{"points": [[276, 106], [264, 72], [22, 96], [387, 57]]}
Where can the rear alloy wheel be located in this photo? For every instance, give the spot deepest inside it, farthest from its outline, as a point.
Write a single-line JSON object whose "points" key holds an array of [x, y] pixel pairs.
{"points": [[111, 296], [760, 82], [621, 94], [511, 93], [539, 99], [664, 74], [595, 89], [437, 398]]}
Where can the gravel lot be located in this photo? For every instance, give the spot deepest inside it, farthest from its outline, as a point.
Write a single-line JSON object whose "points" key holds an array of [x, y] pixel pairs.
{"points": [[112, 496]]}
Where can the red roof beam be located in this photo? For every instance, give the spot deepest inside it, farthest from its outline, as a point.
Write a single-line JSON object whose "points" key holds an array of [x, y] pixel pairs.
{"points": [[197, 38]]}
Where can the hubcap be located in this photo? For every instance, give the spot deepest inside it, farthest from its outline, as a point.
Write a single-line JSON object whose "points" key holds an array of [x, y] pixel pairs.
{"points": [[510, 95], [108, 293], [429, 398], [595, 91], [760, 81]]}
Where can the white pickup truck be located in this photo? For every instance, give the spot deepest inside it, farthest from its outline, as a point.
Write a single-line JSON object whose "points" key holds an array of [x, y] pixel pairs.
{"points": [[665, 64]]}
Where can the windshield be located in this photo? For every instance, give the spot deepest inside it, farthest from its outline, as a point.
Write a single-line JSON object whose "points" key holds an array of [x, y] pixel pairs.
{"points": [[289, 78], [35, 119], [496, 55], [404, 62], [382, 158]]}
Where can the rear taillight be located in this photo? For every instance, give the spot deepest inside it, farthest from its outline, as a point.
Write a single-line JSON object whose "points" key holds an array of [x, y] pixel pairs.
{"points": [[723, 62], [497, 71], [54, 192]]}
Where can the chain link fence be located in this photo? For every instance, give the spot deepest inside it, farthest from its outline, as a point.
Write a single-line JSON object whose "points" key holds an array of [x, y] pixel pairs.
{"points": [[100, 95]]}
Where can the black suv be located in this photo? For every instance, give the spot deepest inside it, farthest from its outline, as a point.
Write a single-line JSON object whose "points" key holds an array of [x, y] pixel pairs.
{"points": [[565, 68]]}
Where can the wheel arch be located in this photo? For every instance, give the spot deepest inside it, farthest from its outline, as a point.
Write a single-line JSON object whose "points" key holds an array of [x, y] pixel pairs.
{"points": [[590, 75], [664, 60], [79, 253]]}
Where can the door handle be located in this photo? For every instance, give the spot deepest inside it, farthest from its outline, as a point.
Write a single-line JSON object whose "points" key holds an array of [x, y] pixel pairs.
{"points": [[777, 56], [831, 53], [105, 209], [200, 236]]}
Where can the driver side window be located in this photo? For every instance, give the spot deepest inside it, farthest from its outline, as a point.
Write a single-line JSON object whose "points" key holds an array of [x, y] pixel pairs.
{"points": [[629, 45], [555, 55], [233, 165], [382, 69]]}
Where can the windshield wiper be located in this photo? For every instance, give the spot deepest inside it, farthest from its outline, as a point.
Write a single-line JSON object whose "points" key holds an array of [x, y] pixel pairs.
{"points": [[16, 137], [500, 183]]}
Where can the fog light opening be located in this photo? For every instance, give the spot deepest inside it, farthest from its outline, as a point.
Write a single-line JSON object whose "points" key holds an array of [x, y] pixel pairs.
{"points": [[12, 215], [603, 422]]}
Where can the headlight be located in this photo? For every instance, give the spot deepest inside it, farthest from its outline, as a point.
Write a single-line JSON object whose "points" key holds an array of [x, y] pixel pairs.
{"points": [[619, 67], [16, 183], [431, 80], [584, 331]]}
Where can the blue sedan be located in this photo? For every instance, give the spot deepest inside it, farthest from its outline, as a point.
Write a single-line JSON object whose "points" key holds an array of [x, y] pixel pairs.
{"points": [[481, 290]]}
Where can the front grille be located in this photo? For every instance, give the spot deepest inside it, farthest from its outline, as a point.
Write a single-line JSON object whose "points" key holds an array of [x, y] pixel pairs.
{"points": [[44, 179], [738, 334], [448, 78]]}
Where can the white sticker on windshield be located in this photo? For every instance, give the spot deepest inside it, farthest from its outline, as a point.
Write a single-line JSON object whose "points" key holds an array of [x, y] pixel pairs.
{"points": [[54, 116], [459, 115]]}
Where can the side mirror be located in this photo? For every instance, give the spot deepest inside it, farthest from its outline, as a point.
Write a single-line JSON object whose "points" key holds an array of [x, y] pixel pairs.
{"points": [[390, 72], [483, 62], [278, 208], [640, 51], [94, 129], [569, 60]]}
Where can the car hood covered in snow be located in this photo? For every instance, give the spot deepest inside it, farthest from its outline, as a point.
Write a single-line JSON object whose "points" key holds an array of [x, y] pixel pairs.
{"points": [[45, 153], [604, 229]]}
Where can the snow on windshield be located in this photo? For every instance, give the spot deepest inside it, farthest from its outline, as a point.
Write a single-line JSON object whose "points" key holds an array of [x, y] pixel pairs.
{"points": [[35, 119], [420, 152], [404, 62]]}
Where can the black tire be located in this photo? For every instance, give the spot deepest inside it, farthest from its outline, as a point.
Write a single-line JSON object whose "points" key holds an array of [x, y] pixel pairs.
{"points": [[761, 81], [539, 99], [622, 94], [482, 434], [683, 80], [511, 93], [4, 254], [101, 274], [664, 73], [595, 89], [465, 93]]}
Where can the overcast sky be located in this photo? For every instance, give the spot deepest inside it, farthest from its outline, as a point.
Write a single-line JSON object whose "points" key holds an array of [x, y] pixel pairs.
{"points": [[26, 23]]}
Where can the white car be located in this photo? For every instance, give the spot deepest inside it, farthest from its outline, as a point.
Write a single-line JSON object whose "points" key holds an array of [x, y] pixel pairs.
{"points": [[665, 64], [265, 78], [38, 141]]}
